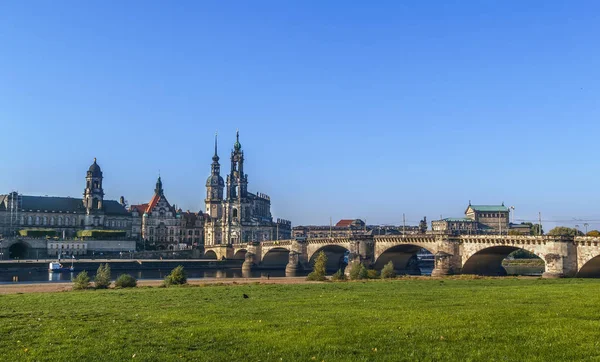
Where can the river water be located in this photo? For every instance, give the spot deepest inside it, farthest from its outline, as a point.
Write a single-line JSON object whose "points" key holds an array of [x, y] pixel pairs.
{"points": [[25, 276]]}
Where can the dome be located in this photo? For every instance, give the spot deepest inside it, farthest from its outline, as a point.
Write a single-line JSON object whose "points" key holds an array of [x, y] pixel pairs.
{"points": [[215, 180], [95, 169]]}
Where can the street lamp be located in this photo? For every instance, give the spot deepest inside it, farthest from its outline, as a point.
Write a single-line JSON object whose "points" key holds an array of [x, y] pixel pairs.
{"points": [[586, 226], [576, 230], [513, 213]]}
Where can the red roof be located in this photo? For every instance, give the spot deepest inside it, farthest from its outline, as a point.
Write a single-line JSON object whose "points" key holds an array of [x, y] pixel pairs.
{"points": [[345, 222], [139, 208], [152, 203]]}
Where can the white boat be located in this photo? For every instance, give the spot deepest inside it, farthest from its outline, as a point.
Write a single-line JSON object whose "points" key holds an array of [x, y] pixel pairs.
{"points": [[56, 267]]}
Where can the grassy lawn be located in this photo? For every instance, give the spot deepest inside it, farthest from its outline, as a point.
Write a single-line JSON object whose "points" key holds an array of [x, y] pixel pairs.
{"points": [[462, 320]]}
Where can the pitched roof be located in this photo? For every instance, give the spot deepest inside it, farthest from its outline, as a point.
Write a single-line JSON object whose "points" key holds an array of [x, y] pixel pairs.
{"points": [[112, 207], [489, 208], [461, 219], [66, 204], [139, 208], [345, 222]]}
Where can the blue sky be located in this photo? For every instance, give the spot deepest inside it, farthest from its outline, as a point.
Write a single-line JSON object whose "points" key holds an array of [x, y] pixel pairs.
{"points": [[345, 109]]}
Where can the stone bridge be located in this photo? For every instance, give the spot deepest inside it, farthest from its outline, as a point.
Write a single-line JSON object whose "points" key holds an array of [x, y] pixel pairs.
{"points": [[465, 254]]}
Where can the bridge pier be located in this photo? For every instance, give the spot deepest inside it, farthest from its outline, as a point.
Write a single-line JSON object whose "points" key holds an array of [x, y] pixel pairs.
{"points": [[443, 264]]}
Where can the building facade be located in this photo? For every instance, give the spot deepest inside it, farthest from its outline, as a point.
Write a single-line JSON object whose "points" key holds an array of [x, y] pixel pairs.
{"points": [[65, 215], [162, 226], [233, 214], [353, 227], [479, 219]]}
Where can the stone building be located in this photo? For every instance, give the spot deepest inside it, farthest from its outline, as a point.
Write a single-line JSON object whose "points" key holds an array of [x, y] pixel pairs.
{"points": [[233, 214], [479, 219], [162, 226], [65, 215]]}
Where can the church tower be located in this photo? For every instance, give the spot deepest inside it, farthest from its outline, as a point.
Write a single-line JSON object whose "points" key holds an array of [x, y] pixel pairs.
{"points": [[237, 181], [214, 188], [93, 193]]}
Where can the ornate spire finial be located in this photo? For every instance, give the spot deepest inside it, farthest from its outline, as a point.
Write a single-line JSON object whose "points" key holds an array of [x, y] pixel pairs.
{"points": [[237, 146], [216, 156], [94, 159]]}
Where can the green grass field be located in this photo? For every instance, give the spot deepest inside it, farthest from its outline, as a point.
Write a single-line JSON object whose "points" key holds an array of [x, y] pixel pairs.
{"points": [[407, 319]]}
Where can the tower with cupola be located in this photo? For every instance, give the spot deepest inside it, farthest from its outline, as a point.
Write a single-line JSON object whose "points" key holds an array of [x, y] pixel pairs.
{"points": [[93, 195]]}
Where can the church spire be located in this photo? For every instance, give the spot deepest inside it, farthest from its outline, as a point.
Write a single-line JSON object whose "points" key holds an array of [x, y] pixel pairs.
{"points": [[216, 156]]}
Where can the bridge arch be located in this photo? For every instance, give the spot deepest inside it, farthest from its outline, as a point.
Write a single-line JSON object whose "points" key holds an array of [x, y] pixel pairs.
{"points": [[275, 258], [335, 256], [210, 254], [19, 249], [590, 269], [240, 254], [404, 258], [488, 260]]}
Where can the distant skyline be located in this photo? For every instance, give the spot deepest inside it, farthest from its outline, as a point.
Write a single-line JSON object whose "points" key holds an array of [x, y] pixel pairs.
{"points": [[345, 109]]}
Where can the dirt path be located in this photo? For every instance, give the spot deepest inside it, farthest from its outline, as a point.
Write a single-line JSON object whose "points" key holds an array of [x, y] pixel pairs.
{"points": [[19, 288]]}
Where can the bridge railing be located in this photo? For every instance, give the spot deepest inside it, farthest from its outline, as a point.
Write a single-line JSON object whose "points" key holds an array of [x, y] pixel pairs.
{"points": [[518, 238], [277, 242]]}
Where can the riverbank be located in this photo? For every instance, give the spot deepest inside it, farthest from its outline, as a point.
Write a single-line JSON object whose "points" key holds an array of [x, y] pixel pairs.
{"points": [[450, 319], [21, 288]]}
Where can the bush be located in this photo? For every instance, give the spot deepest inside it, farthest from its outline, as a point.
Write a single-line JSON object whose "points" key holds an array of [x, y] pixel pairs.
{"points": [[102, 278], [177, 277], [358, 271], [81, 281], [338, 276], [388, 271], [372, 274], [125, 281], [319, 269]]}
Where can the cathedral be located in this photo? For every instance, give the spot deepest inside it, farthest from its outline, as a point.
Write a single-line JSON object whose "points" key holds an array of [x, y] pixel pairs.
{"points": [[234, 215]]}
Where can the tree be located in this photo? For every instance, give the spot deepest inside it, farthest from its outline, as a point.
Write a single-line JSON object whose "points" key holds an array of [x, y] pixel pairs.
{"points": [[125, 281], [81, 281], [594, 233], [320, 268], [102, 278], [564, 231], [177, 277], [388, 271], [536, 229], [338, 276]]}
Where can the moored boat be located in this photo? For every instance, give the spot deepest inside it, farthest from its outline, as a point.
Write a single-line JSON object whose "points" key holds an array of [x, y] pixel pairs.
{"points": [[56, 267]]}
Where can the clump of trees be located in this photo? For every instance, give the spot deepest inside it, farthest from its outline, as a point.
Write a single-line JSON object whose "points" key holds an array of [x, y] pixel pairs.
{"points": [[102, 278], [338, 276], [388, 271], [125, 281], [320, 268], [358, 272], [594, 233], [176, 277], [565, 231], [81, 281]]}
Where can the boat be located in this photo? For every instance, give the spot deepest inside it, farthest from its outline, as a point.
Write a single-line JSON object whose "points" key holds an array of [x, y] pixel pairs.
{"points": [[56, 267]]}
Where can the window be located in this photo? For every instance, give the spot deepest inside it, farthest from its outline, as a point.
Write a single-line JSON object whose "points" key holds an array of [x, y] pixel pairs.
{"points": [[189, 232], [52, 220], [197, 232], [29, 220], [235, 213], [37, 220], [60, 221]]}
